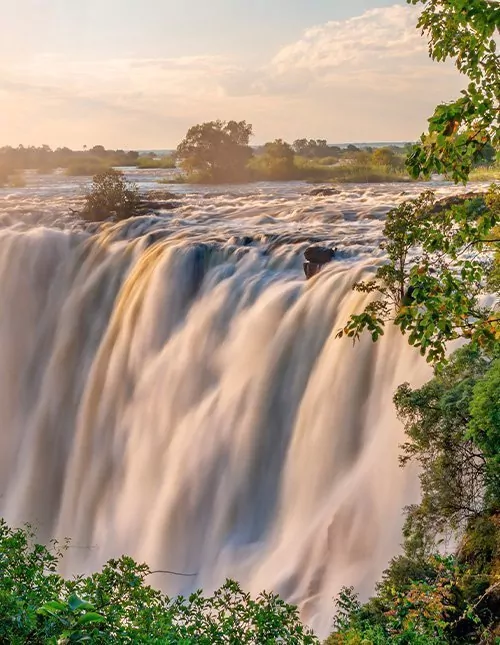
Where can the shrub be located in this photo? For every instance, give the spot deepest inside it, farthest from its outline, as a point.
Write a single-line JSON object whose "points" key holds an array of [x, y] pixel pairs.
{"points": [[16, 180], [86, 167], [38, 606], [111, 196], [167, 162]]}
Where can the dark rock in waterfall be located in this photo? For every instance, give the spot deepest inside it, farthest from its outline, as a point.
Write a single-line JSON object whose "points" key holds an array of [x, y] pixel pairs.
{"points": [[316, 258], [158, 206], [311, 269], [408, 297], [319, 254], [199, 257], [324, 192]]}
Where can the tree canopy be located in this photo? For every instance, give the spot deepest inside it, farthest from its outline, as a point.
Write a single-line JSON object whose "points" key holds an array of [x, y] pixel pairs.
{"points": [[218, 151], [432, 286], [467, 32]]}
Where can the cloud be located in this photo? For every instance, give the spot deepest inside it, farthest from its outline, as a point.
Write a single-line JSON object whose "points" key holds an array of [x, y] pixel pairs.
{"points": [[365, 78], [377, 37]]}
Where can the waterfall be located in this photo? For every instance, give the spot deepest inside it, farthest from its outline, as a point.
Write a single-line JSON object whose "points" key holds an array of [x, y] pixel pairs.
{"points": [[190, 405]]}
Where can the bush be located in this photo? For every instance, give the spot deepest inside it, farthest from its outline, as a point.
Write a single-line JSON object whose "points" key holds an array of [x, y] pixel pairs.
{"points": [[147, 162], [38, 606], [86, 167], [111, 196], [276, 164], [16, 180]]}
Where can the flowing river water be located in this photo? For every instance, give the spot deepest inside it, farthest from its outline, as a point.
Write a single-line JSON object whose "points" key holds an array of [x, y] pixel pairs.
{"points": [[172, 388]]}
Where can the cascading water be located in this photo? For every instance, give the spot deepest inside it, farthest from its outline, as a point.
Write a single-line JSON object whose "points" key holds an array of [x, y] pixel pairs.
{"points": [[189, 404]]}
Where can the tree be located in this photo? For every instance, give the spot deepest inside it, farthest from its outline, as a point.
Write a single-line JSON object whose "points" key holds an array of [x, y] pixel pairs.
{"points": [[452, 434], [439, 255], [464, 30], [439, 259], [111, 196], [312, 148], [276, 163], [386, 157], [216, 151]]}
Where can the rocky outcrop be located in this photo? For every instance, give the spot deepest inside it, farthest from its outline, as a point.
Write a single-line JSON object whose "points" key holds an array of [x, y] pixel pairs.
{"points": [[151, 206], [319, 254], [316, 257], [455, 200], [324, 192]]}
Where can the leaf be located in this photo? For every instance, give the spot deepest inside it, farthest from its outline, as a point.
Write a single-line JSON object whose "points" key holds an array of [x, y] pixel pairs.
{"points": [[54, 606], [75, 603], [90, 617]]}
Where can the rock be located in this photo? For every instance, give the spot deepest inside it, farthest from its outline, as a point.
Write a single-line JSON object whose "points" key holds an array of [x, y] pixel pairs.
{"points": [[316, 258], [161, 195], [319, 254], [311, 269], [455, 200], [156, 206], [324, 192]]}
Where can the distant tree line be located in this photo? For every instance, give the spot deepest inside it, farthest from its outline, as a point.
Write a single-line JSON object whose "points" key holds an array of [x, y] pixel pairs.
{"points": [[43, 158], [220, 151]]}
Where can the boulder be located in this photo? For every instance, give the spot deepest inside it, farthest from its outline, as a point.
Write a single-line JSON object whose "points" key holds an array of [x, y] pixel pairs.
{"points": [[456, 200], [316, 257], [157, 206], [324, 192], [319, 254], [311, 269]]}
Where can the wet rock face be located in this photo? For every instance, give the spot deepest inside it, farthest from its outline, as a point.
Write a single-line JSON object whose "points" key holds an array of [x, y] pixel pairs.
{"points": [[324, 192], [319, 254], [316, 257], [311, 269]]}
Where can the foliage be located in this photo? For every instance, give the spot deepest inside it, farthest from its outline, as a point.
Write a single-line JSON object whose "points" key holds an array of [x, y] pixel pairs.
{"points": [[314, 148], [277, 162], [216, 151], [111, 196], [441, 259], [435, 604], [485, 173], [443, 421], [149, 161], [453, 433], [38, 606], [388, 158], [79, 162], [87, 167], [485, 425], [464, 30], [438, 260]]}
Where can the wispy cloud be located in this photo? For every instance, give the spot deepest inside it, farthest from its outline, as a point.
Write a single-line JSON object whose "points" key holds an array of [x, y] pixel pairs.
{"points": [[368, 77]]}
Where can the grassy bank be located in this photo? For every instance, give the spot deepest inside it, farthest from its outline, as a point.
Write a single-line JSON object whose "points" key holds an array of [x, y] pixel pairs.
{"points": [[490, 173], [148, 162]]}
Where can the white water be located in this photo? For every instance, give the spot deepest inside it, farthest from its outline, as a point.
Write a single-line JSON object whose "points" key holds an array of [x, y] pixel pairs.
{"points": [[190, 404]]}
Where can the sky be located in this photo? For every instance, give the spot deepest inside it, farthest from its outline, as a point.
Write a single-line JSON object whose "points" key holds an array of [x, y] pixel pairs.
{"points": [[136, 74]]}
